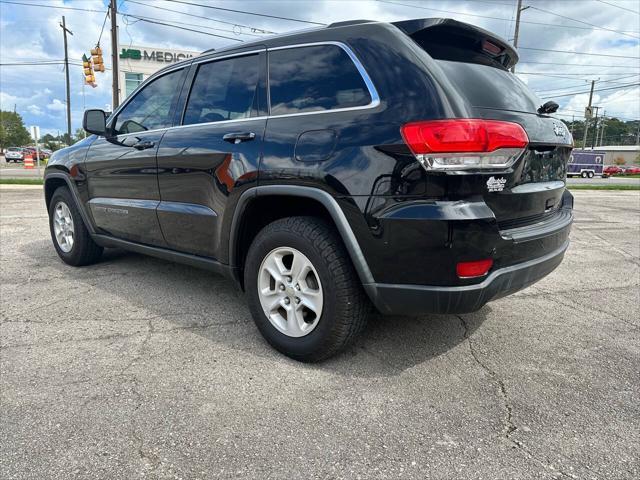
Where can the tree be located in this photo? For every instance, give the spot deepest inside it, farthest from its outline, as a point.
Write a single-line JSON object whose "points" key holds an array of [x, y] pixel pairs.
{"points": [[619, 161], [80, 134], [12, 131]]}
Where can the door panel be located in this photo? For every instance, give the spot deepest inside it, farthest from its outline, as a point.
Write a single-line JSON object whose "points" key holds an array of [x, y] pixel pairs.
{"points": [[215, 154], [198, 172], [121, 168], [123, 187]]}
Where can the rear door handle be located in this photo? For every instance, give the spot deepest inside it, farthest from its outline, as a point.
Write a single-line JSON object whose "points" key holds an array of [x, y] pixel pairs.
{"points": [[238, 137], [143, 145]]}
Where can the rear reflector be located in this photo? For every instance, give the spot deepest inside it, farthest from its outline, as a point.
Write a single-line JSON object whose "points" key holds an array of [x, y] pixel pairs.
{"points": [[465, 143], [479, 268]]}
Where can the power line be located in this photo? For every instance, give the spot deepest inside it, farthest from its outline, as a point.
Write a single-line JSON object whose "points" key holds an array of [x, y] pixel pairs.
{"points": [[103, 24], [491, 17], [583, 22], [576, 53], [245, 12], [235, 24], [618, 6], [569, 87], [575, 74], [596, 90], [51, 6], [578, 64], [141, 19]]}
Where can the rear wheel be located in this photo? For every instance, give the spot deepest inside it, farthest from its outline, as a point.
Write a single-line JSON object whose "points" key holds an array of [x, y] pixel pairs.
{"points": [[583, 174], [68, 232], [303, 292], [590, 174]]}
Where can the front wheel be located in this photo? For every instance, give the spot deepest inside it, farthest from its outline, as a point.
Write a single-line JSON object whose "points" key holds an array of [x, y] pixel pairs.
{"points": [[303, 292], [583, 174], [70, 237]]}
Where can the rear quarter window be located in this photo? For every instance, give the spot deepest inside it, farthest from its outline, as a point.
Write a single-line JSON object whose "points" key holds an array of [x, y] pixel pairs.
{"points": [[314, 78]]}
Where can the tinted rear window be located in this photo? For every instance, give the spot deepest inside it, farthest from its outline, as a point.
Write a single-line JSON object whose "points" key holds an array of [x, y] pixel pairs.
{"points": [[490, 87], [315, 78]]}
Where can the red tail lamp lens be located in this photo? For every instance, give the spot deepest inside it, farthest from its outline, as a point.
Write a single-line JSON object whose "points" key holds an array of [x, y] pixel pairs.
{"points": [[478, 268], [463, 135]]}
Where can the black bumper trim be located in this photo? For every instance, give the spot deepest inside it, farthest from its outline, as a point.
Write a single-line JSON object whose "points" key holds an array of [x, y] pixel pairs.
{"points": [[400, 299]]}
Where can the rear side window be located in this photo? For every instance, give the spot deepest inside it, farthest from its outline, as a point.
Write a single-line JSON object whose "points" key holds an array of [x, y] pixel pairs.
{"points": [[314, 78], [223, 90]]}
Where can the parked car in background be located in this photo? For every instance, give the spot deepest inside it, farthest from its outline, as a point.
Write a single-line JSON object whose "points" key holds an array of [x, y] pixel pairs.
{"points": [[14, 154], [610, 170], [34, 153], [632, 170]]}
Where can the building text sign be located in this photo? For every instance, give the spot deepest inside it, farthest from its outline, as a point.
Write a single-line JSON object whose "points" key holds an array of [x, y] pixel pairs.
{"points": [[153, 56]]}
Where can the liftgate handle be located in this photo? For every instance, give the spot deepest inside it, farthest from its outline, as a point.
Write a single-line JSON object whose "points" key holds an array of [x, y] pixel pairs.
{"points": [[238, 137]]}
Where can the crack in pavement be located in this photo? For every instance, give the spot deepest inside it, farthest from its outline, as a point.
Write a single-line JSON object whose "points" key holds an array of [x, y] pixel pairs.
{"points": [[509, 428]]}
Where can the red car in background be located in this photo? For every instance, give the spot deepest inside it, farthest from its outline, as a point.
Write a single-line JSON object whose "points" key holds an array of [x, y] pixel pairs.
{"points": [[634, 170], [612, 170]]}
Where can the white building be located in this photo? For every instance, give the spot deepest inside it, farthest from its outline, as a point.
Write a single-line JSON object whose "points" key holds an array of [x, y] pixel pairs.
{"points": [[137, 63]]}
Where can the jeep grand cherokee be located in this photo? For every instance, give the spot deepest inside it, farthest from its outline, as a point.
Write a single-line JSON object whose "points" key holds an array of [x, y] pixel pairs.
{"points": [[395, 164]]}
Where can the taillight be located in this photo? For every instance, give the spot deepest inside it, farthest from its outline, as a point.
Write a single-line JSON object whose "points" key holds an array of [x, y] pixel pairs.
{"points": [[478, 268], [463, 144]]}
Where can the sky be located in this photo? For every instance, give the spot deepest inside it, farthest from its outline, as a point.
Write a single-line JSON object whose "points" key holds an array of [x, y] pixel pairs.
{"points": [[609, 31]]}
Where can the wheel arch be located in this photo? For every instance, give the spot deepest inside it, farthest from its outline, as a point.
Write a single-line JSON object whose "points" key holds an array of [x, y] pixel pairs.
{"points": [[248, 220], [55, 180]]}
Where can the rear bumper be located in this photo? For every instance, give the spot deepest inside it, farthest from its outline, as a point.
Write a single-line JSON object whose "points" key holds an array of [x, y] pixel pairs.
{"points": [[399, 299]]}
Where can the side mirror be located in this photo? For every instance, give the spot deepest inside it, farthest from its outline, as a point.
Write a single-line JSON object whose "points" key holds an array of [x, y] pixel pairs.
{"points": [[95, 121]]}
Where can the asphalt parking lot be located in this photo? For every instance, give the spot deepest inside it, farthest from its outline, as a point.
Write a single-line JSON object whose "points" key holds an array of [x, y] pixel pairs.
{"points": [[139, 368]]}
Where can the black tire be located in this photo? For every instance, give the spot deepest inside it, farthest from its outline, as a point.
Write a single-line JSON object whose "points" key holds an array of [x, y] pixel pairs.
{"points": [[590, 174], [84, 250], [346, 306]]}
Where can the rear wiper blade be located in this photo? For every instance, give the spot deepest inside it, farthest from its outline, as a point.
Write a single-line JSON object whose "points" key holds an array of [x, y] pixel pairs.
{"points": [[549, 107]]}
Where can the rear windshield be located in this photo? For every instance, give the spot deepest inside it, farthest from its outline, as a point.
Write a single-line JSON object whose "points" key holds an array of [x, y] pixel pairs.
{"points": [[14, 149], [490, 87]]}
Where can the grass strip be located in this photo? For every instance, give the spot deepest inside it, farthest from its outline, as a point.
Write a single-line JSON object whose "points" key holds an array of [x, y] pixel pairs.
{"points": [[20, 181]]}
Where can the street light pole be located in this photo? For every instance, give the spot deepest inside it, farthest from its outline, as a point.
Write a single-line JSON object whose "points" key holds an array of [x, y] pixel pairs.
{"points": [[65, 30], [114, 55]]}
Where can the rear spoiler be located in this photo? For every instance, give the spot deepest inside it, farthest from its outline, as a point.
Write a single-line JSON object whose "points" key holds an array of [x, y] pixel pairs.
{"points": [[447, 39]]}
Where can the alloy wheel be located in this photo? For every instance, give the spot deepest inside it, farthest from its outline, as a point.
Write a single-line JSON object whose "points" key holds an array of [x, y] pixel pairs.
{"points": [[290, 291]]}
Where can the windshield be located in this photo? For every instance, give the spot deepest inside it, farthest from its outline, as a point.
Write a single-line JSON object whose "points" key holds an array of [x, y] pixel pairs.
{"points": [[490, 87]]}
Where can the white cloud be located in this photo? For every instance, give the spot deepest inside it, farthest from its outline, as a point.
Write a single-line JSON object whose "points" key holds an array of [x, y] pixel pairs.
{"points": [[35, 110], [56, 105]]}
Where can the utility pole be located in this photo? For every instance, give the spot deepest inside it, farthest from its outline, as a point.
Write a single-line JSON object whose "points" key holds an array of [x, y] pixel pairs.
{"points": [[603, 124], [595, 132], [573, 121], [65, 30], [586, 118], [114, 54], [517, 31]]}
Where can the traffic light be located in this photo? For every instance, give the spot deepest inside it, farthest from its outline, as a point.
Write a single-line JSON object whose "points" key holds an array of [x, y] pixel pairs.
{"points": [[96, 58], [89, 76]]}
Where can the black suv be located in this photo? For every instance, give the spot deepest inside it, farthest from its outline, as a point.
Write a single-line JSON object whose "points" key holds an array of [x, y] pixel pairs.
{"points": [[394, 164]]}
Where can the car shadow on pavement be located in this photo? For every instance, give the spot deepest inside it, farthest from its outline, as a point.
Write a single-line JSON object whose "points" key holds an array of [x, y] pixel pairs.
{"points": [[205, 302]]}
